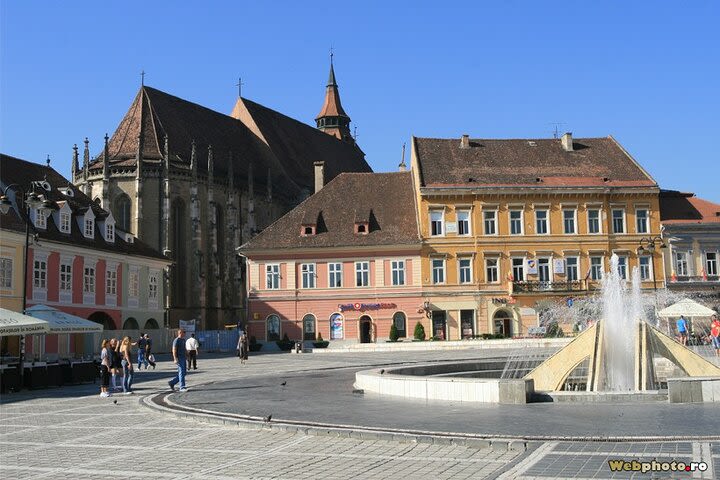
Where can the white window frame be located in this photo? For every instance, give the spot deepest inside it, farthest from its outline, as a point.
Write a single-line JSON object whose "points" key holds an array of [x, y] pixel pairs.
{"points": [[7, 265], [468, 269], [490, 220], [565, 221], [438, 279], [272, 276], [307, 275], [624, 223], [546, 220], [437, 225], [522, 277], [66, 280], [397, 272], [550, 278], [133, 296], [463, 217], [111, 284], [599, 221], [39, 278], [335, 270], [646, 271], [491, 277], [89, 227], [623, 266], [574, 267], [89, 279], [65, 219], [646, 220], [110, 232], [712, 272], [362, 274], [681, 264], [520, 222], [599, 268], [153, 288], [40, 219]]}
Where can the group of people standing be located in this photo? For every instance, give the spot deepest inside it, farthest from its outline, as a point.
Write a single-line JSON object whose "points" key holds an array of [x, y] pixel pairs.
{"points": [[116, 357]]}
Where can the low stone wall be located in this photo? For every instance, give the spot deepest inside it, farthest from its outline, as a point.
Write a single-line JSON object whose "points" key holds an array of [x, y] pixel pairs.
{"points": [[444, 388], [694, 390], [407, 346]]}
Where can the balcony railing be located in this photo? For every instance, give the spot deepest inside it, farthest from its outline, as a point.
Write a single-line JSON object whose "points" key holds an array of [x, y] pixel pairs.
{"points": [[537, 286], [696, 278]]}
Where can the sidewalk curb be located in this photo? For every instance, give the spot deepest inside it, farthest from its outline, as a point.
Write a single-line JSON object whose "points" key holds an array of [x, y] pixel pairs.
{"points": [[339, 431]]}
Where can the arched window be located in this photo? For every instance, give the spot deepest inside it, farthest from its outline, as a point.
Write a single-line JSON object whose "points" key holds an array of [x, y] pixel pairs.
{"points": [[121, 212], [273, 328], [337, 326], [179, 252], [220, 239], [151, 324], [131, 324], [309, 327], [400, 322]]}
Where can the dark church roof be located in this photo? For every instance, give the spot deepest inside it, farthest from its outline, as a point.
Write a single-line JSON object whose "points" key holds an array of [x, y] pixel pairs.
{"points": [[385, 201], [536, 162], [22, 172], [288, 150]]}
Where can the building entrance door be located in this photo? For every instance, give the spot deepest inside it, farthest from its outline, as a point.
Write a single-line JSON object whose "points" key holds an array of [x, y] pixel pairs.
{"points": [[502, 323], [439, 324], [467, 323], [365, 329], [309, 327]]}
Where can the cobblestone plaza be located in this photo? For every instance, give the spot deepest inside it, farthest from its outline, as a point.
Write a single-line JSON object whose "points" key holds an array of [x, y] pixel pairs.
{"points": [[72, 433]]}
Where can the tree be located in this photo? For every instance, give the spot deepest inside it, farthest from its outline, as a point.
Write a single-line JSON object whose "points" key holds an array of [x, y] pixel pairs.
{"points": [[419, 333], [393, 333]]}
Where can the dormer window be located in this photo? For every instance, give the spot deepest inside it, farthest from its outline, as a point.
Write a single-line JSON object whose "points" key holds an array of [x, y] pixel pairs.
{"points": [[64, 222], [361, 228], [308, 230], [40, 219], [89, 228], [109, 232]]}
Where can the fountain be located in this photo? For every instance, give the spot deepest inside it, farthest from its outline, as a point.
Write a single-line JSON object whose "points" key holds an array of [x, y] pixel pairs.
{"points": [[613, 359]]}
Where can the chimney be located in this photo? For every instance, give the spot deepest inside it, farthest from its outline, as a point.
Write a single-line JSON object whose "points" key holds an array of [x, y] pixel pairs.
{"points": [[465, 141], [567, 141], [319, 175]]}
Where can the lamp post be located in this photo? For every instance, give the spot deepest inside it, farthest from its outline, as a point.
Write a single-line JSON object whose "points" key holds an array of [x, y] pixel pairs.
{"points": [[649, 245], [31, 201]]}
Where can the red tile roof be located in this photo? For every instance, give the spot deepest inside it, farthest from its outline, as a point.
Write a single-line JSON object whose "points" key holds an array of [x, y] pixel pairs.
{"points": [[536, 162], [683, 208], [385, 200]]}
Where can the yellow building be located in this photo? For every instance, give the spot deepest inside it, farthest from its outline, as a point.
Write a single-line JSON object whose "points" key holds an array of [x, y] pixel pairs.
{"points": [[507, 225]]}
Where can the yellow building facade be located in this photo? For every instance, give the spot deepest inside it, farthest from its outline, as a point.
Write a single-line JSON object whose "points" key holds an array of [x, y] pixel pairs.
{"points": [[512, 226]]}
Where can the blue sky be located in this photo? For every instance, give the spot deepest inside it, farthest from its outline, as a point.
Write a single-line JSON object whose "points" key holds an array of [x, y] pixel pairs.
{"points": [[645, 72]]}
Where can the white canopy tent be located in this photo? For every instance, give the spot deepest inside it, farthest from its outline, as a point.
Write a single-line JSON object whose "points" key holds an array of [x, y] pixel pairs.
{"points": [[688, 308], [61, 322], [14, 323]]}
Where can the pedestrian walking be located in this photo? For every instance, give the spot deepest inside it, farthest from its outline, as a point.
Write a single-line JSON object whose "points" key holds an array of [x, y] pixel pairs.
{"points": [[242, 346], [141, 358], [682, 329], [115, 362], [148, 351], [105, 361], [715, 334], [127, 365], [179, 357], [193, 348]]}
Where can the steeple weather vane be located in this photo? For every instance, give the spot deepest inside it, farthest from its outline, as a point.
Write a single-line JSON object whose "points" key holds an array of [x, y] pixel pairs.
{"points": [[142, 78], [239, 84]]}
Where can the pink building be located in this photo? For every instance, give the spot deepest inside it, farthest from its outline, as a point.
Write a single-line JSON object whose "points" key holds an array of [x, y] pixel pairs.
{"points": [[344, 264]]}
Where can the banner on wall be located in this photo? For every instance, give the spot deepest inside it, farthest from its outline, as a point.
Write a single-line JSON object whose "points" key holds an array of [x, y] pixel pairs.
{"points": [[188, 326], [558, 265], [531, 266], [336, 327]]}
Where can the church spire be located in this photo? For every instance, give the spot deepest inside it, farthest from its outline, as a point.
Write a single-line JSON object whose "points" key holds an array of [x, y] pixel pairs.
{"points": [[332, 119]]}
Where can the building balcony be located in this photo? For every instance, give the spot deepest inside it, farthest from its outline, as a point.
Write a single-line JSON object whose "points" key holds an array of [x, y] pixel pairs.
{"points": [[694, 281], [544, 287]]}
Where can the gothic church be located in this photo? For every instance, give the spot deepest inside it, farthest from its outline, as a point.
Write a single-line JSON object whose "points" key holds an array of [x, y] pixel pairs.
{"points": [[196, 184]]}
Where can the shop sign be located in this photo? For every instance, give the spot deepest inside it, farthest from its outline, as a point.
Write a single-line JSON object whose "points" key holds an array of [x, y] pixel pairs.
{"points": [[336, 327], [361, 307], [537, 330], [503, 301], [559, 265], [188, 326]]}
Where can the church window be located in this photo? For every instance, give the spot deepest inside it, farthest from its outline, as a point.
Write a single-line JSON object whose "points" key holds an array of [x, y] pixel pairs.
{"points": [[122, 212]]}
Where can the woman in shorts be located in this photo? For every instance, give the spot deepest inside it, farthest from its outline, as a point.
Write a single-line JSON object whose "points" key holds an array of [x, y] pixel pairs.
{"points": [[116, 363]]}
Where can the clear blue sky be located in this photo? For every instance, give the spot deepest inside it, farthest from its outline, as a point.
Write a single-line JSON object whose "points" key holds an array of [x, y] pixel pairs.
{"points": [[647, 73]]}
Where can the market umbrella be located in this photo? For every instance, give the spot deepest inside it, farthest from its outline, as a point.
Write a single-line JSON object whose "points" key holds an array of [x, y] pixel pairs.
{"points": [[15, 323]]}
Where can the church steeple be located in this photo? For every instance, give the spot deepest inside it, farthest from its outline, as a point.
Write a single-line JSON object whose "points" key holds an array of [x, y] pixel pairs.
{"points": [[332, 119]]}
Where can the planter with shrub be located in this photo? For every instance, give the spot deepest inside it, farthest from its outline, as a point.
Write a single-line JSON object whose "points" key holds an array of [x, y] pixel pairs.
{"points": [[253, 344], [285, 344], [320, 343], [419, 333]]}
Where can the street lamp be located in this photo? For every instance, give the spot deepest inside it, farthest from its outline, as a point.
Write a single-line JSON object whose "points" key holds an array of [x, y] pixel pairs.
{"points": [[32, 201], [649, 245]]}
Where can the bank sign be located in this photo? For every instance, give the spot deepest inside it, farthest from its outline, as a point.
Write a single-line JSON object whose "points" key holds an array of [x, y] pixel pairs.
{"points": [[362, 307]]}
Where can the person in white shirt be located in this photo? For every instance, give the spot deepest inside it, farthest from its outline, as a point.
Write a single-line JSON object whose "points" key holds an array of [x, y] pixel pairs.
{"points": [[193, 347]]}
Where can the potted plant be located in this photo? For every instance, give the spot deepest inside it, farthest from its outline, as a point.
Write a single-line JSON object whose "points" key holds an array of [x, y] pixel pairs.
{"points": [[253, 344], [285, 344], [320, 343], [419, 333], [394, 333]]}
